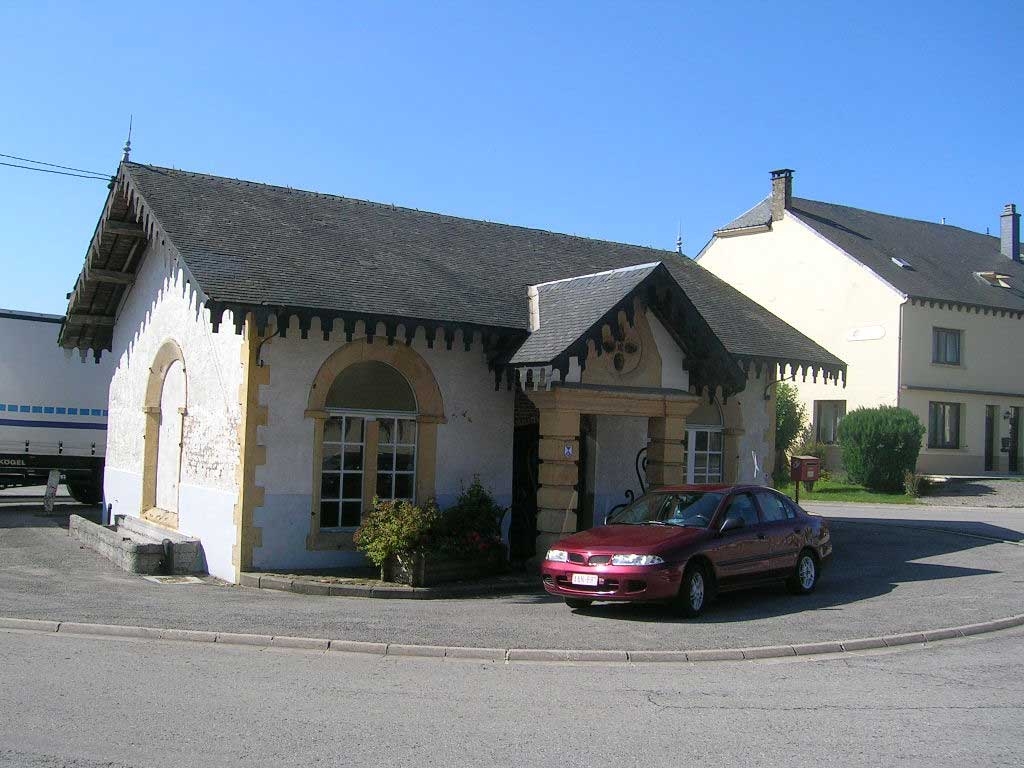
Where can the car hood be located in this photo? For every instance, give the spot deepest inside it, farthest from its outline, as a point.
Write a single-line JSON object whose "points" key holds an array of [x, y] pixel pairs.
{"points": [[641, 539]]}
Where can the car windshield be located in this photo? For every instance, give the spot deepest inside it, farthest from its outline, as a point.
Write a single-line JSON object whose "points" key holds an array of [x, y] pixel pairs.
{"points": [[691, 509]]}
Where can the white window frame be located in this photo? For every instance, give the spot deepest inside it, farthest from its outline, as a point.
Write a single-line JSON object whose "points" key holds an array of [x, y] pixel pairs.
{"points": [[369, 451], [690, 455]]}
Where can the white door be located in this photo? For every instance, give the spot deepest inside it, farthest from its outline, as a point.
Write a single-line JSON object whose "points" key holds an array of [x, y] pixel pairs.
{"points": [[168, 460]]}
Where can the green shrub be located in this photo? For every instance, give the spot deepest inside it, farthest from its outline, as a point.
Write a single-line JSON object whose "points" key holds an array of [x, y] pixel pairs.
{"points": [[396, 527], [469, 528], [472, 524], [790, 416], [880, 445]]}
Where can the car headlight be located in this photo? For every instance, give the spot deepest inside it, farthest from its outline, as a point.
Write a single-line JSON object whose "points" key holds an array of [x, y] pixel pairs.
{"points": [[557, 556], [637, 560]]}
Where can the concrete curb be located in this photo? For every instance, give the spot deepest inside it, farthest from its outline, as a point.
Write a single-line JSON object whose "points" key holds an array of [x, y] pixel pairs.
{"points": [[303, 585], [508, 655]]}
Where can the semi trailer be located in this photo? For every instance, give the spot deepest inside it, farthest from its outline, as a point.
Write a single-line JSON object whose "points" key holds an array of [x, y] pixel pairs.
{"points": [[53, 407]]}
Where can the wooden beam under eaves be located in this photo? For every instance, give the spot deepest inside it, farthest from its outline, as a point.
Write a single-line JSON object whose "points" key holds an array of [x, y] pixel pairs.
{"points": [[122, 229], [109, 276], [80, 319]]}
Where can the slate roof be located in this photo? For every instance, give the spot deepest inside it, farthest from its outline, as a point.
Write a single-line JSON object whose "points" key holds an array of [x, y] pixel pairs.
{"points": [[253, 244], [569, 308], [944, 258]]}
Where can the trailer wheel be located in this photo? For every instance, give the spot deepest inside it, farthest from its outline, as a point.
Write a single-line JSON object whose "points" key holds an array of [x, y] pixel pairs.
{"points": [[85, 492]]}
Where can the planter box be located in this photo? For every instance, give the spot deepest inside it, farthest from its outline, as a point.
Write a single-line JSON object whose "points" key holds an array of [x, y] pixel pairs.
{"points": [[426, 569]]}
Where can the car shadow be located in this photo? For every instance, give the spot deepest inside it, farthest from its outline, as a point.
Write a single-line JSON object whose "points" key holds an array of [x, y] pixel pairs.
{"points": [[870, 559]]}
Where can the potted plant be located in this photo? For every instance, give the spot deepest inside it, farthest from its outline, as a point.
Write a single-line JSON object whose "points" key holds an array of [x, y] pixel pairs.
{"points": [[421, 546]]}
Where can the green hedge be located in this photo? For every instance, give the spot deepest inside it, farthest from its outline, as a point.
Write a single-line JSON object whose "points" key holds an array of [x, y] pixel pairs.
{"points": [[880, 445]]}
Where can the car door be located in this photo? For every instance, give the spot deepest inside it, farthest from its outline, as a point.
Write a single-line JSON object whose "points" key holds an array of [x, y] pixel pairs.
{"points": [[740, 555], [784, 531]]}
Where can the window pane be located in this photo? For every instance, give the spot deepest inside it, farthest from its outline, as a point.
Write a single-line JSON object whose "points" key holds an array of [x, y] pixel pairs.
{"points": [[714, 466], [403, 486], [716, 441], [330, 484], [332, 459], [354, 429], [332, 431], [772, 507], [329, 514], [407, 431], [404, 458], [384, 485], [352, 485], [702, 441], [385, 460], [387, 431], [351, 512], [354, 457]]}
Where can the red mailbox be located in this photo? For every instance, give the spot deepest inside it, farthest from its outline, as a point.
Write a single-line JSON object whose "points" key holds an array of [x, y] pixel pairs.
{"points": [[805, 468]]}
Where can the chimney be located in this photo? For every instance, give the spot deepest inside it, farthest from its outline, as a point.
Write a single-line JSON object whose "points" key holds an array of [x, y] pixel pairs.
{"points": [[1009, 232], [782, 192]]}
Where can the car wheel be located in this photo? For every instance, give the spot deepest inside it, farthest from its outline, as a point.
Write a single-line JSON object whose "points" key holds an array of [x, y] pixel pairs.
{"points": [[694, 591], [577, 604], [805, 577]]}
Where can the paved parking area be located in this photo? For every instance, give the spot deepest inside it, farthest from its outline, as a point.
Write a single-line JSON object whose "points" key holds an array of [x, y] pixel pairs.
{"points": [[978, 493], [887, 577]]}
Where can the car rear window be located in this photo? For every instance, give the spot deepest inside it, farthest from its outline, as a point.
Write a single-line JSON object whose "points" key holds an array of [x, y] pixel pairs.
{"points": [[773, 507]]}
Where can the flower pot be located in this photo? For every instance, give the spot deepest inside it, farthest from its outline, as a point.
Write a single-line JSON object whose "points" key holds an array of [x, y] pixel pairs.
{"points": [[425, 569]]}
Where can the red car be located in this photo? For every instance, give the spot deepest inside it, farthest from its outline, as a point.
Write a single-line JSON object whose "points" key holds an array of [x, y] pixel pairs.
{"points": [[684, 544]]}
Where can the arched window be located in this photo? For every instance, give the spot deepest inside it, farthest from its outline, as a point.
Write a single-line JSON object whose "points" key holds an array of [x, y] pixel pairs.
{"points": [[369, 442], [703, 445]]}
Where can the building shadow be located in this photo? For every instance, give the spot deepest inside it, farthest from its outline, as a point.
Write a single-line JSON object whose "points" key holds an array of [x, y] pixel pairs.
{"points": [[871, 558]]}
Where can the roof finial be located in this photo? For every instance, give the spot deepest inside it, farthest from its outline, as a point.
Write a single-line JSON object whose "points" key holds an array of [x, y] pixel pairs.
{"points": [[128, 142], [679, 240]]}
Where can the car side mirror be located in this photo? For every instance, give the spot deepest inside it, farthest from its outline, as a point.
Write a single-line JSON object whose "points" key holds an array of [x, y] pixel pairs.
{"points": [[732, 523]]}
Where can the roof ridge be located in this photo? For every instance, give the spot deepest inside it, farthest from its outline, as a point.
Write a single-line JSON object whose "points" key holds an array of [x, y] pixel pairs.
{"points": [[392, 206], [630, 268], [892, 216]]}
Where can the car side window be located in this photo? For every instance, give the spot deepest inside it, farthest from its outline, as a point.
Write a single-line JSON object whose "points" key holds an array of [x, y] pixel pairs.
{"points": [[742, 505], [773, 507]]}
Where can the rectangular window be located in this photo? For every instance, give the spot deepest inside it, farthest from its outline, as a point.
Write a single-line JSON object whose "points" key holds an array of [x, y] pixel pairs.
{"points": [[827, 415], [396, 458], [943, 425], [945, 346], [341, 476]]}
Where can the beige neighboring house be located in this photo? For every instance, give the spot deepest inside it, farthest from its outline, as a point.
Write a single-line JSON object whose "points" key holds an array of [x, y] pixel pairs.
{"points": [[927, 316]]}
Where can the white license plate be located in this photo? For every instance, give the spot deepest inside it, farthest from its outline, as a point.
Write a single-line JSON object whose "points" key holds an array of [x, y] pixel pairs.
{"points": [[585, 579]]}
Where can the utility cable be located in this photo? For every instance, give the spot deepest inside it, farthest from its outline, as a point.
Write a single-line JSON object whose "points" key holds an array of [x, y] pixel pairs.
{"points": [[51, 165], [60, 173]]}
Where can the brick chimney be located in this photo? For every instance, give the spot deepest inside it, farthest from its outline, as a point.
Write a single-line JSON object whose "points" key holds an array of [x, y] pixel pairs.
{"points": [[1009, 232], [782, 192]]}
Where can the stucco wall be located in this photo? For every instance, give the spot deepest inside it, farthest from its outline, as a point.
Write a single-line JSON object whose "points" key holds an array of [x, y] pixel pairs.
{"points": [[830, 297], [992, 362], [756, 445], [160, 306], [477, 439]]}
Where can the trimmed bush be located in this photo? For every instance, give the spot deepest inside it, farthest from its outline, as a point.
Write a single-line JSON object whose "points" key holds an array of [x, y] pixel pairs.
{"points": [[880, 445], [790, 416]]}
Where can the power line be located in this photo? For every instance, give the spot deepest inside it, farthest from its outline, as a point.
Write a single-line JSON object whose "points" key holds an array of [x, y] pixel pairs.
{"points": [[53, 165], [61, 173]]}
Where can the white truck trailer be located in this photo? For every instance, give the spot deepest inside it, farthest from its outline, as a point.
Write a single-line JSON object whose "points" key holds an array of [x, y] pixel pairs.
{"points": [[53, 407]]}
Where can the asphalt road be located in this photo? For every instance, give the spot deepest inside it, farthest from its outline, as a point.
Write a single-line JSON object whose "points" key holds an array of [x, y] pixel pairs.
{"points": [[886, 578], [87, 703]]}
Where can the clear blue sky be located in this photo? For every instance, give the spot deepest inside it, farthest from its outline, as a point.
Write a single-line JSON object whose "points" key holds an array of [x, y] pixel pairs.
{"points": [[612, 120]]}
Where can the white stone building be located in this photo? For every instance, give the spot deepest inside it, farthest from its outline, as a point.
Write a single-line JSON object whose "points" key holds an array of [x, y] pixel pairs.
{"points": [[282, 357], [927, 315]]}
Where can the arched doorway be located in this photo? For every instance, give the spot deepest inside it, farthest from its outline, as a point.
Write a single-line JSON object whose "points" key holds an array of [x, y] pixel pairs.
{"points": [[165, 408]]}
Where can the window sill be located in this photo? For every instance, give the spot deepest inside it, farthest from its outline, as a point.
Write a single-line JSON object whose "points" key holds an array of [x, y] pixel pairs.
{"points": [[333, 540]]}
